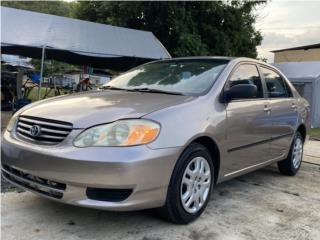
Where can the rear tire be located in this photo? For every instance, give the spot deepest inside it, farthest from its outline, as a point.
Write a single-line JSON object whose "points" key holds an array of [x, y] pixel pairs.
{"points": [[190, 186], [291, 165]]}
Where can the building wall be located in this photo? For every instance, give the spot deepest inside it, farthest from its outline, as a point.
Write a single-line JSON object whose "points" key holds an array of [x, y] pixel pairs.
{"points": [[74, 76], [297, 55], [309, 89]]}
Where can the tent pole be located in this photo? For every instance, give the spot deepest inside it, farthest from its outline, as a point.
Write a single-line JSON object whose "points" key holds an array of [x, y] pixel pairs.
{"points": [[41, 72]]}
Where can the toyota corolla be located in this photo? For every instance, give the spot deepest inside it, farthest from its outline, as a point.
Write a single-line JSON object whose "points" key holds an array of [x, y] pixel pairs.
{"points": [[161, 135]]}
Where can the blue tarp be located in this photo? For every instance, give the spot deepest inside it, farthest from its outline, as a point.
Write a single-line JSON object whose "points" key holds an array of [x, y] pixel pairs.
{"points": [[35, 77]]}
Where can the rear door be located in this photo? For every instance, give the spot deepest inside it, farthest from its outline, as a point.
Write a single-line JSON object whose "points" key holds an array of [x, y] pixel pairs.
{"points": [[248, 131], [283, 112]]}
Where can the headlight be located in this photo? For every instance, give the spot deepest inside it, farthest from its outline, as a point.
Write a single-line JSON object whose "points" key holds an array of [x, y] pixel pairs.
{"points": [[12, 122], [120, 133]]}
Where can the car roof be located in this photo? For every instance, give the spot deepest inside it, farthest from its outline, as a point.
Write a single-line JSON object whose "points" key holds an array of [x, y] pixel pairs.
{"points": [[234, 60], [202, 58]]}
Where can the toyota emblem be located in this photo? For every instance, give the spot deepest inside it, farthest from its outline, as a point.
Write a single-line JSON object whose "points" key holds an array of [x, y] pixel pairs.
{"points": [[35, 130]]}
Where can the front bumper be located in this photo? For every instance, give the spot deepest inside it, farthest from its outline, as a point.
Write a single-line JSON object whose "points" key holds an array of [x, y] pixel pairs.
{"points": [[143, 170]]}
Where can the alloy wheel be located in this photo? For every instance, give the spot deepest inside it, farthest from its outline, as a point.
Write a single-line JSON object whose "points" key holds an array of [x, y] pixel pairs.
{"points": [[195, 184], [297, 153]]}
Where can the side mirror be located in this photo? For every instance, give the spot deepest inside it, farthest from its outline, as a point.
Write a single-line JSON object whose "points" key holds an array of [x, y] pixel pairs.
{"points": [[241, 91]]}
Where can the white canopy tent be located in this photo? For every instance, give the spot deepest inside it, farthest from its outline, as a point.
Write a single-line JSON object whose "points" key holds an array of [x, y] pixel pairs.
{"points": [[38, 35]]}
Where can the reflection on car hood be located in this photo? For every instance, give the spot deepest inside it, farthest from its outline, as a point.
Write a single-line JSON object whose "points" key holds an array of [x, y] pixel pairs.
{"points": [[96, 107]]}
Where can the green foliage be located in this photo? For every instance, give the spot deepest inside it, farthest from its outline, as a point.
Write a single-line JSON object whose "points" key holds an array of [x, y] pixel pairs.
{"points": [[314, 133], [184, 28], [263, 59], [53, 67], [59, 8]]}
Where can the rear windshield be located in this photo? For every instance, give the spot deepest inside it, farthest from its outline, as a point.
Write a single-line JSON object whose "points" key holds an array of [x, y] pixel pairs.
{"points": [[188, 77]]}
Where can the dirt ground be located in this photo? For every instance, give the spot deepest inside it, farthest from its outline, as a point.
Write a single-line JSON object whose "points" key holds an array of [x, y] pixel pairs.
{"points": [[5, 117], [259, 205]]}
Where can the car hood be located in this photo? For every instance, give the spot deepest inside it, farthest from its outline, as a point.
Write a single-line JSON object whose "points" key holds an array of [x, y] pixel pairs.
{"points": [[91, 108]]}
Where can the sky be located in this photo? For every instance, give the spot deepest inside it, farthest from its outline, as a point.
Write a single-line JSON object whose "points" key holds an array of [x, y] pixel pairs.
{"points": [[286, 24]]}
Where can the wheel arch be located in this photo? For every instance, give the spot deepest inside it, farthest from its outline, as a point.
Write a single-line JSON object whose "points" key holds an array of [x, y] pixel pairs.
{"points": [[214, 151], [302, 130]]}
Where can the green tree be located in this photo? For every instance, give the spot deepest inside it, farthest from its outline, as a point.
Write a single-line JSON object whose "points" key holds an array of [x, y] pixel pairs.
{"points": [[53, 67], [59, 8], [184, 28]]}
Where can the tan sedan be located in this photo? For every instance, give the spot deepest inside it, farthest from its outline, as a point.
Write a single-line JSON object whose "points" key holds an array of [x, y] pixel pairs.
{"points": [[161, 135]]}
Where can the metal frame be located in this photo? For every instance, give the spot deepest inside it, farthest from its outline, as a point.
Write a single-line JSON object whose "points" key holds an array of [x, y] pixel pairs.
{"points": [[41, 72]]}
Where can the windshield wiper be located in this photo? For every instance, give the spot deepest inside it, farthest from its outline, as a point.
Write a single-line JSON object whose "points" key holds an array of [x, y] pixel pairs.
{"points": [[113, 88], [148, 90], [151, 90]]}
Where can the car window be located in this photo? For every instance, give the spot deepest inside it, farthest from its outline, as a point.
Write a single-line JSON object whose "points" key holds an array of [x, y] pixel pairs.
{"points": [[186, 76], [277, 88], [247, 74]]}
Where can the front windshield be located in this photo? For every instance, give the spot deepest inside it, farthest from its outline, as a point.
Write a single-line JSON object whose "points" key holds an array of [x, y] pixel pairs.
{"points": [[187, 77]]}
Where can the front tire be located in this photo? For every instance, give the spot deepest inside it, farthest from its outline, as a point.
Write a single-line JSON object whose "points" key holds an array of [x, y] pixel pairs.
{"points": [[190, 186], [291, 165]]}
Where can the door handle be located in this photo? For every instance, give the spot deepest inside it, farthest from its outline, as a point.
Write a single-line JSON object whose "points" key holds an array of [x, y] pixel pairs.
{"points": [[293, 106]]}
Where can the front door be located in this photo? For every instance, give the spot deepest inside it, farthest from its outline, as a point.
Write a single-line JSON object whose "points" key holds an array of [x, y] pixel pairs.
{"points": [[249, 122], [283, 112]]}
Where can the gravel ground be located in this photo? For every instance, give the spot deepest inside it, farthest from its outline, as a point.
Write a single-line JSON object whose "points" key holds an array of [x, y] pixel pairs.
{"points": [[259, 205], [8, 187]]}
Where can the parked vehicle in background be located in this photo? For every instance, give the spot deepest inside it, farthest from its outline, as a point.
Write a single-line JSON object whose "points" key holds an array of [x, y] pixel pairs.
{"points": [[161, 135]]}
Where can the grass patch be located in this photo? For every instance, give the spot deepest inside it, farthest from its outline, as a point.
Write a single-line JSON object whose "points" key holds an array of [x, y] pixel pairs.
{"points": [[314, 132]]}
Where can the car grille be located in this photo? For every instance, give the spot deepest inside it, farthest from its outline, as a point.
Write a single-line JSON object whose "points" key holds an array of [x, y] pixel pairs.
{"points": [[51, 131], [43, 186]]}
